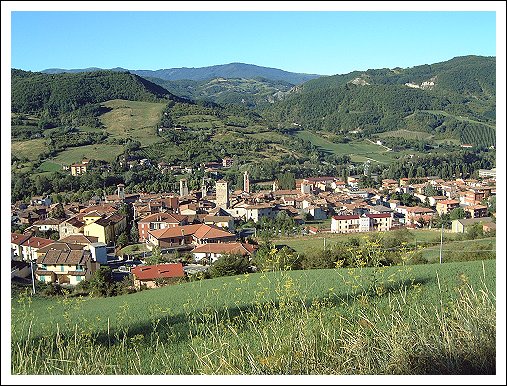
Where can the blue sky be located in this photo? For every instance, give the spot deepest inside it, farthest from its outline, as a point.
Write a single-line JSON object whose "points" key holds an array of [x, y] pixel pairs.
{"points": [[321, 42]]}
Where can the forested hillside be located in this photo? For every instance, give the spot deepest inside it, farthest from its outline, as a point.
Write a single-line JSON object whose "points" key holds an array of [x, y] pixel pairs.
{"points": [[454, 99]]}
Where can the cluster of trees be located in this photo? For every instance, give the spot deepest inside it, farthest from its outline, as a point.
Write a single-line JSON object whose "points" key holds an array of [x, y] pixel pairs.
{"points": [[459, 163]]}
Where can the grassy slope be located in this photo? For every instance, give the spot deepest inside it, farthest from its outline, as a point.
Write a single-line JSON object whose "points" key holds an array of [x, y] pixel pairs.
{"points": [[133, 119], [359, 151], [233, 292], [301, 322]]}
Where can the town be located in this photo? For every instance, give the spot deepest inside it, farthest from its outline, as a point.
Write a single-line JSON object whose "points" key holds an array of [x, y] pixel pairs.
{"points": [[65, 243]]}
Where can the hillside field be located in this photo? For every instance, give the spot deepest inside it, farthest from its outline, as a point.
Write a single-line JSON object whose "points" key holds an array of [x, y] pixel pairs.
{"points": [[133, 119], [333, 321]]}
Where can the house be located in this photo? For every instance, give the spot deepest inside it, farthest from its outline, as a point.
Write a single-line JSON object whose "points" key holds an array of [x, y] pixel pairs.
{"points": [[106, 228], [345, 223], [316, 212], [65, 266], [474, 211], [367, 222], [30, 247], [20, 269], [79, 168], [462, 225], [380, 222], [159, 220], [445, 206], [415, 213], [256, 212], [148, 275], [188, 235], [227, 162], [17, 239], [226, 222], [48, 224], [71, 226], [211, 252]]}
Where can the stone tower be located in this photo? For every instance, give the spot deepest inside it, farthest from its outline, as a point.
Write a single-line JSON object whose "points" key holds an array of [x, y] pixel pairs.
{"points": [[183, 187], [121, 191], [246, 182], [222, 194], [204, 189]]}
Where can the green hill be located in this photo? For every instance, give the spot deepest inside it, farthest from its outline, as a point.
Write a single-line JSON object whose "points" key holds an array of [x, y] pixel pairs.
{"points": [[429, 319], [250, 92], [63, 93], [378, 100]]}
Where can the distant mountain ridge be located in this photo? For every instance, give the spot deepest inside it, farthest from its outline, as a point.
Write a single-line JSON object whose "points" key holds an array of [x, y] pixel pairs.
{"points": [[227, 71]]}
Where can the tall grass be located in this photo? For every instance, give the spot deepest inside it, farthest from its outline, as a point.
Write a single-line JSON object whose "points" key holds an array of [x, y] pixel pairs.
{"points": [[382, 321]]}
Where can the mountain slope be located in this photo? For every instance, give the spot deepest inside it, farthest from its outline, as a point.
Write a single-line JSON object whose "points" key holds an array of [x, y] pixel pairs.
{"points": [[62, 93], [231, 70], [457, 96]]}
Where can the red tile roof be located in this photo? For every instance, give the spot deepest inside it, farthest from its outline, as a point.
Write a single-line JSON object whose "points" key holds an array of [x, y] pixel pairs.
{"points": [[150, 272], [38, 242], [18, 238]]}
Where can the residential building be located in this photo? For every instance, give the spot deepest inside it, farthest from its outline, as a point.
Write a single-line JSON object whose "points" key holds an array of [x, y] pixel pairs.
{"points": [[211, 252], [474, 211], [149, 275], [345, 223], [106, 228], [30, 247], [159, 220], [188, 235], [71, 226], [17, 239], [462, 225], [445, 206], [256, 212], [65, 266]]}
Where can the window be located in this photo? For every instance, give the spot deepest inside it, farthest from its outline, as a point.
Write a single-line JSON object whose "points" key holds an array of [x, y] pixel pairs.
{"points": [[79, 278], [79, 267], [43, 267], [42, 279], [61, 268]]}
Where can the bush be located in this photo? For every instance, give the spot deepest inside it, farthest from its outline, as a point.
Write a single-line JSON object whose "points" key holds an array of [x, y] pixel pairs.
{"points": [[229, 265]]}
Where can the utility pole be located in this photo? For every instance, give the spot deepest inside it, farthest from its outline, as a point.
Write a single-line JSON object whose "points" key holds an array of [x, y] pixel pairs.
{"points": [[441, 240], [324, 243], [33, 279]]}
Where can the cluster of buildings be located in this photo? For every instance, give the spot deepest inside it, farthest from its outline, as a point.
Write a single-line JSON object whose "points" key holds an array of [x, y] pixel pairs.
{"points": [[203, 221]]}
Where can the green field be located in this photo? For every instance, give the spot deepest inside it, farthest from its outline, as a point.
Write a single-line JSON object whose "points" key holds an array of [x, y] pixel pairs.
{"points": [[307, 243], [49, 166], [407, 134], [30, 149], [133, 119], [335, 321], [358, 151], [105, 152]]}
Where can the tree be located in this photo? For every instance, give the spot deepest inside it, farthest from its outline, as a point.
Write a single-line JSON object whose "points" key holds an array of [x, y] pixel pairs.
{"points": [[286, 180], [156, 257], [101, 283], [457, 213], [122, 240], [229, 265]]}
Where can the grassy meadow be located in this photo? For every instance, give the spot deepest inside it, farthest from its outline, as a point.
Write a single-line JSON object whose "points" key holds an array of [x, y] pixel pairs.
{"points": [[426, 319], [133, 119], [358, 151]]}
